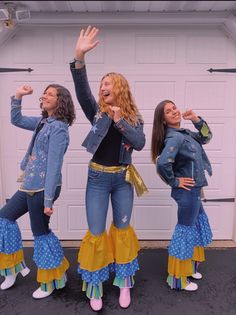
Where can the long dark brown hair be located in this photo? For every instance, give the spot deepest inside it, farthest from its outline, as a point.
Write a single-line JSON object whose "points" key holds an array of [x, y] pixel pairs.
{"points": [[65, 110], [158, 130]]}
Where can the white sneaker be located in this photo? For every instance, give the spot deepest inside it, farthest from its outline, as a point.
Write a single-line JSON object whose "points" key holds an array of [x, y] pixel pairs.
{"points": [[197, 276], [191, 287], [40, 294], [11, 279]]}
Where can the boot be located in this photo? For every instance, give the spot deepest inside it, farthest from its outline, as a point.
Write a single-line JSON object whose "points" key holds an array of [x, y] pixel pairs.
{"points": [[124, 298], [96, 304], [11, 279], [40, 294]]}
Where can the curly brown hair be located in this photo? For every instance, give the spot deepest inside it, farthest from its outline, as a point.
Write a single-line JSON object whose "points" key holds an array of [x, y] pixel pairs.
{"points": [[124, 98], [65, 110]]}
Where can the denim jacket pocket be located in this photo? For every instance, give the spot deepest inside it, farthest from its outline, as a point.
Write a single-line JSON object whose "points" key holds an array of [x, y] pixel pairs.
{"points": [[189, 146]]}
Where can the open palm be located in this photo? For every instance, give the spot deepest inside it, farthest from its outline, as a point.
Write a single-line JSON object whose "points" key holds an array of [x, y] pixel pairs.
{"points": [[87, 40]]}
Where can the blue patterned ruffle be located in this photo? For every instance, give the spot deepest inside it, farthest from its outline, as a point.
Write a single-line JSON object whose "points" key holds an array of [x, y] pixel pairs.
{"points": [[122, 271], [48, 253], [94, 277], [10, 237], [204, 233], [183, 242], [125, 270]]}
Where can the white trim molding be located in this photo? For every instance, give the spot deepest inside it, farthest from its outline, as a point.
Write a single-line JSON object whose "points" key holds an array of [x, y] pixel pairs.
{"points": [[224, 20]]}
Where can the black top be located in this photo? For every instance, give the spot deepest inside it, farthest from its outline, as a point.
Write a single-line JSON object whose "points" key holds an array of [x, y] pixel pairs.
{"points": [[39, 127], [108, 152]]}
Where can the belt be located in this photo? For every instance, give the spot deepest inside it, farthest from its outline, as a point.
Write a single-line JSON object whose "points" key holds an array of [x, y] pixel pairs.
{"points": [[132, 176], [107, 169]]}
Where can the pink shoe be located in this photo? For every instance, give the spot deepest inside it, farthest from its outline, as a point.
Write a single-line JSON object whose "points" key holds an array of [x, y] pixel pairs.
{"points": [[96, 304], [124, 298]]}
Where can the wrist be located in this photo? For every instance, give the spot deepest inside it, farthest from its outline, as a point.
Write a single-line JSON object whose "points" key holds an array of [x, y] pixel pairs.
{"points": [[196, 119], [79, 61], [18, 96]]}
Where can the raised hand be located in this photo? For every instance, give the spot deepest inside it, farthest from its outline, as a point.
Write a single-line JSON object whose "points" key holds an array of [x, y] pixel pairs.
{"points": [[190, 115], [23, 90], [86, 41]]}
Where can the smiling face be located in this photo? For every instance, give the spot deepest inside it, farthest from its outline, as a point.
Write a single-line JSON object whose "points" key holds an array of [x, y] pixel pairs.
{"points": [[172, 115], [49, 100], [106, 91]]}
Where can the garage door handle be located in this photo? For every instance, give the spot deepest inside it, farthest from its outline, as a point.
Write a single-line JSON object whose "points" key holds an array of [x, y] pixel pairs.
{"points": [[219, 200]]}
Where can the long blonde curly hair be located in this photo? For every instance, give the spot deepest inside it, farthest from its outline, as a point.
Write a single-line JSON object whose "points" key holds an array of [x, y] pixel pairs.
{"points": [[124, 99]]}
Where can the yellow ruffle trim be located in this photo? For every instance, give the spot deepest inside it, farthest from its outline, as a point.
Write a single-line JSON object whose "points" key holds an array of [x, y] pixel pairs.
{"points": [[183, 268], [11, 260], [124, 243], [95, 252], [48, 275], [198, 254], [179, 268]]}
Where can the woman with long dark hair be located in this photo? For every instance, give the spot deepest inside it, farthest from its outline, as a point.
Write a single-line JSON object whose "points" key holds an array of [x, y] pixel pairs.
{"points": [[181, 162], [41, 182]]}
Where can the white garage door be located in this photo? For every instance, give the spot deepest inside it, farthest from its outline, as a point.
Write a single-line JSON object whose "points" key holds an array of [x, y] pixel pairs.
{"points": [[160, 63]]}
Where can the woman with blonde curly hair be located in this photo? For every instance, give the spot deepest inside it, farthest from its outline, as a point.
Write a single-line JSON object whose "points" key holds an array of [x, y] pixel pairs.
{"points": [[117, 129]]}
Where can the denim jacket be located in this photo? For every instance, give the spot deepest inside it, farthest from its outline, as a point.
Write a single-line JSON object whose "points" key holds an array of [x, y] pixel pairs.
{"points": [[184, 156], [43, 160], [132, 136]]}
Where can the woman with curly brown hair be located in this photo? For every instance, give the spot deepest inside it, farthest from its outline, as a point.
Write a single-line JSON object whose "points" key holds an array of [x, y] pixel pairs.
{"points": [[40, 186], [117, 130]]}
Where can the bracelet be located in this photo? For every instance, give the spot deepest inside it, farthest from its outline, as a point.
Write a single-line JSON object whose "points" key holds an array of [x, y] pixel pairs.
{"points": [[81, 62]]}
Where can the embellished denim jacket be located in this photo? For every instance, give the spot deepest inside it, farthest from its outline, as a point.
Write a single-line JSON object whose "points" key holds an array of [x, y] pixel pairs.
{"points": [[132, 136], [43, 160], [184, 156]]}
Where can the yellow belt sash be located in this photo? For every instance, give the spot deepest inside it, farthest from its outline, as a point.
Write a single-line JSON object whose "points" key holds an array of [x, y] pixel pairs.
{"points": [[132, 176]]}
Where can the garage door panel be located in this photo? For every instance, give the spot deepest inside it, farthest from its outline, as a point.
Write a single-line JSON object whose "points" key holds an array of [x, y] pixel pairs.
{"points": [[220, 216], [159, 49], [222, 181], [211, 54], [38, 39], [76, 176], [148, 218], [149, 94]]}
